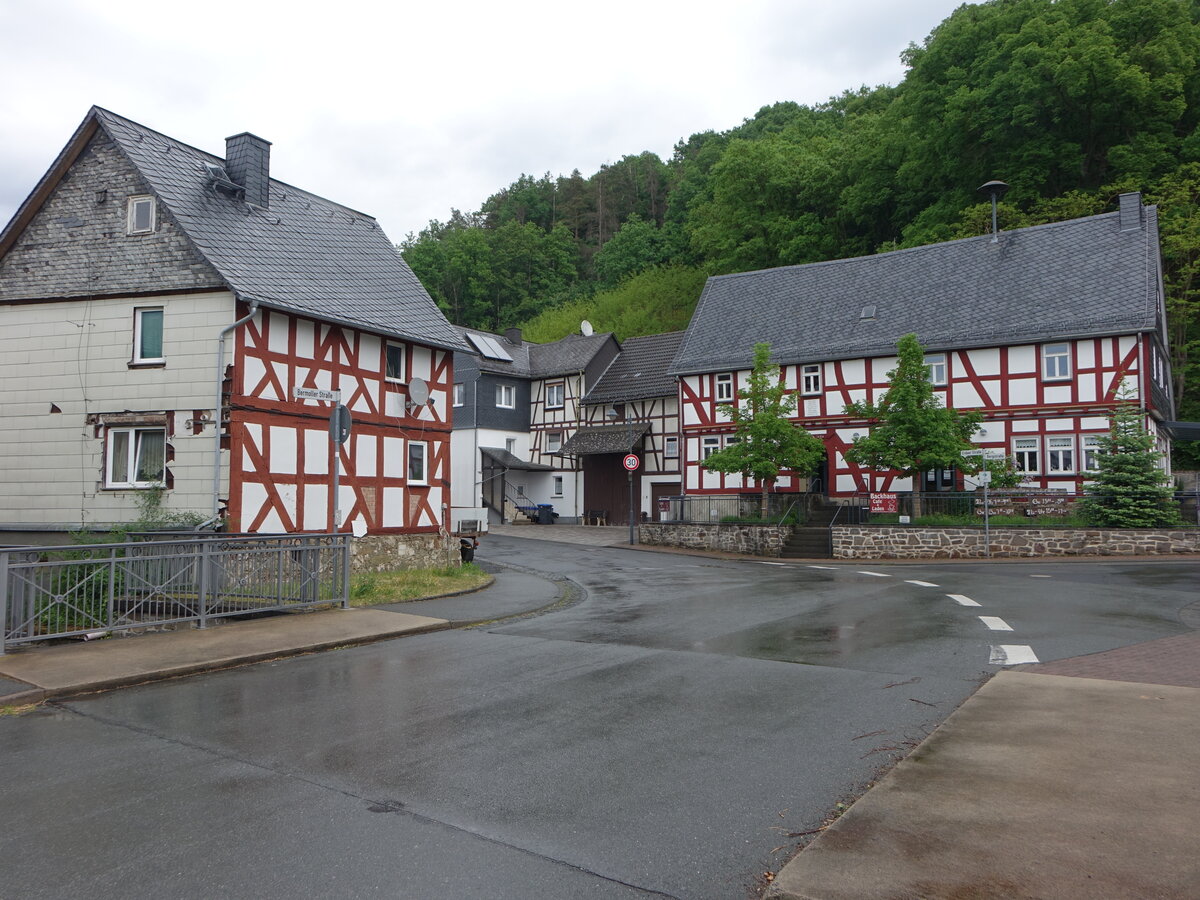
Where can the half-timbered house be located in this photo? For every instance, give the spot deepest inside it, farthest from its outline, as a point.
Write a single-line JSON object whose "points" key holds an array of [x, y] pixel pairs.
{"points": [[174, 320], [517, 403], [632, 409], [1042, 330]]}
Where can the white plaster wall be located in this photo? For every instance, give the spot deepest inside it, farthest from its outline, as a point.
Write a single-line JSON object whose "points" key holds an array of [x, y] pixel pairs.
{"points": [[74, 354]]}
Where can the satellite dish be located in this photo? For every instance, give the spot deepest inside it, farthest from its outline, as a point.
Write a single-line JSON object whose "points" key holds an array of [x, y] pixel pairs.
{"points": [[585, 328], [418, 392]]}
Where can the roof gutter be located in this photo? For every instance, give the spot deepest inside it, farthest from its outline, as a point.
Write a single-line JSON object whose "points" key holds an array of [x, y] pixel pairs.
{"points": [[216, 417]]}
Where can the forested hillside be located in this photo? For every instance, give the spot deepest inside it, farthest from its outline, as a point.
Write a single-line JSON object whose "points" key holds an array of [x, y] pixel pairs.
{"points": [[1070, 102]]}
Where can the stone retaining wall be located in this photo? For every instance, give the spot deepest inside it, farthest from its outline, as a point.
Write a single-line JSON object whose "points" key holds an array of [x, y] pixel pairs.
{"points": [[910, 542], [381, 552], [754, 540]]}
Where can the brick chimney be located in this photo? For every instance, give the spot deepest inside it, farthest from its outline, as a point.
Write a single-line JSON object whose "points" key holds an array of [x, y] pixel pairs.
{"points": [[248, 162]]}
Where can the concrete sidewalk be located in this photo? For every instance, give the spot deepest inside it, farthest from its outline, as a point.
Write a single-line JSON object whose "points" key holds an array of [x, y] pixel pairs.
{"points": [[63, 669], [1073, 779]]}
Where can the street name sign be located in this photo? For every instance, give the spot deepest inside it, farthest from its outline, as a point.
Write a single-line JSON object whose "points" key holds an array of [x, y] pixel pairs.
{"points": [[303, 393]]}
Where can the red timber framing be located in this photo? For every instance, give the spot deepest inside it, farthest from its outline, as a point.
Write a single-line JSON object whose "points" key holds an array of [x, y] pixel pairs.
{"points": [[281, 454], [1007, 384]]}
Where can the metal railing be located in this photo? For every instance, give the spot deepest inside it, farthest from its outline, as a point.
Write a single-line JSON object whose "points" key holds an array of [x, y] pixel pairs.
{"points": [[165, 578], [695, 509]]}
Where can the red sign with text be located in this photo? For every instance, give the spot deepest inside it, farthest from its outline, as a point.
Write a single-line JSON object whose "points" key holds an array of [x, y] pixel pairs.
{"points": [[884, 503]]}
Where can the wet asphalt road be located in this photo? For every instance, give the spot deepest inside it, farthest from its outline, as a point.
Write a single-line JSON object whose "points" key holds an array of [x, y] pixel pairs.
{"points": [[662, 737]]}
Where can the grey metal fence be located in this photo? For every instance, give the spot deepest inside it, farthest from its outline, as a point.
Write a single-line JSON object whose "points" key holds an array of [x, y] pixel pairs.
{"points": [[704, 508], [53, 592]]}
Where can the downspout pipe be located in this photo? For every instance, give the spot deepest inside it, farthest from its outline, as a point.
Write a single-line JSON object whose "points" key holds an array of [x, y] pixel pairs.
{"points": [[216, 485]]}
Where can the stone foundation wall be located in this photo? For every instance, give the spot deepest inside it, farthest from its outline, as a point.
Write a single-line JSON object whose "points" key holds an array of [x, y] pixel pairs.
{"points": [[908, 542], [380, 552], [754, 540]]}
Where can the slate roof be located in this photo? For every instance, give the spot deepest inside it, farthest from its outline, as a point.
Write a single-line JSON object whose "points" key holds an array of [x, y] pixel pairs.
{"points": [[640, 372], [303, 254], [1080, 278], [562, 357], [566, 355], [604, 439], [519, 352]]}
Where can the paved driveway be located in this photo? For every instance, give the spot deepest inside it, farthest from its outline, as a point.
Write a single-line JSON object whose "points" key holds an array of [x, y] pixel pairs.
{"points": [[668, 735]]}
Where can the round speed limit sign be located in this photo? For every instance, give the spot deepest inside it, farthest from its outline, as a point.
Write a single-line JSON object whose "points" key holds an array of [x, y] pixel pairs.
{"points": [[632, 462]]}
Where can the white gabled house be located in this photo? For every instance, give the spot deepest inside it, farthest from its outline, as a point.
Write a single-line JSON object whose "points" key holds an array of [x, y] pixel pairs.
{"points": [[134, 263], [1042, 330]]}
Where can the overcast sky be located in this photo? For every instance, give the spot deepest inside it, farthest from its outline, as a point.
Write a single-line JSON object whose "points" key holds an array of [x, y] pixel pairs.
{"points": [[405, 111]]}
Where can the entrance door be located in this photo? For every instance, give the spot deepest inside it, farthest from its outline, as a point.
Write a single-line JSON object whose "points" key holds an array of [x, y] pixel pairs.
{"points": [[606, 486]]}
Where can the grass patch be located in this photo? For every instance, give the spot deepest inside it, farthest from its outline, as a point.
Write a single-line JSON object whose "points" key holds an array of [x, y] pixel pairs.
{"points": [[17, 710], [399, 585]]}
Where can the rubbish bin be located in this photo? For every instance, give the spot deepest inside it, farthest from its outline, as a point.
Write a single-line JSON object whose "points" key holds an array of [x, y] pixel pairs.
{"points": [[466, 548], [545, 514]]}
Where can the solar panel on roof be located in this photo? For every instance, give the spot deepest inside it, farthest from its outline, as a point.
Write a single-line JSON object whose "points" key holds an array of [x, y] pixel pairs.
{"points": [[488, 347]]}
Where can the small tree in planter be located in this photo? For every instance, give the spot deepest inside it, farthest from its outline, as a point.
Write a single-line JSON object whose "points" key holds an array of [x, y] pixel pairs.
{"points": [[767, 440], [1130, 489], [911, 432]]}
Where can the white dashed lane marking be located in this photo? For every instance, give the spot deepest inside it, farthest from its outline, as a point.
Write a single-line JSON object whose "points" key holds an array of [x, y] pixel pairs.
{"points": [[830, 568], [763, 563], [876, 574], [1041, 576], [921, 583], [962, 600], [995, 623], [1012, 655]]}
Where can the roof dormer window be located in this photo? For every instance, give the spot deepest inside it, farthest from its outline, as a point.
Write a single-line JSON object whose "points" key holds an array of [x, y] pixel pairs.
{"points": [[141, 215]]}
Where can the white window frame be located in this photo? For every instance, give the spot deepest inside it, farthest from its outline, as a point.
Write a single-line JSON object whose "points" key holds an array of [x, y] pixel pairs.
{"points": [[417, 450], [937, 368], [671, 447], [1056, 361], [559, 388], [554, 441], [731, 439], [1060, 454], [140, 201], [398, 378], [1020, 454], [506, 396], [1090, 451], [138, 315], [556, 486], [132, 454], [460, 393], [709, 446], [810, 381], [724, 387], [510, 446]]}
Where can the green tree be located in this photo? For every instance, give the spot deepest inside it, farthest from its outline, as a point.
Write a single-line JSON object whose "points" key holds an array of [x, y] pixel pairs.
{"points": [[638, 245], [911, 431], [1130, 488], [767, 440]]}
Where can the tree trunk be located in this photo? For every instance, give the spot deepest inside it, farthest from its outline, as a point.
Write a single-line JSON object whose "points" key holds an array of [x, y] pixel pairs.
{"points": [[762, 512]]}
